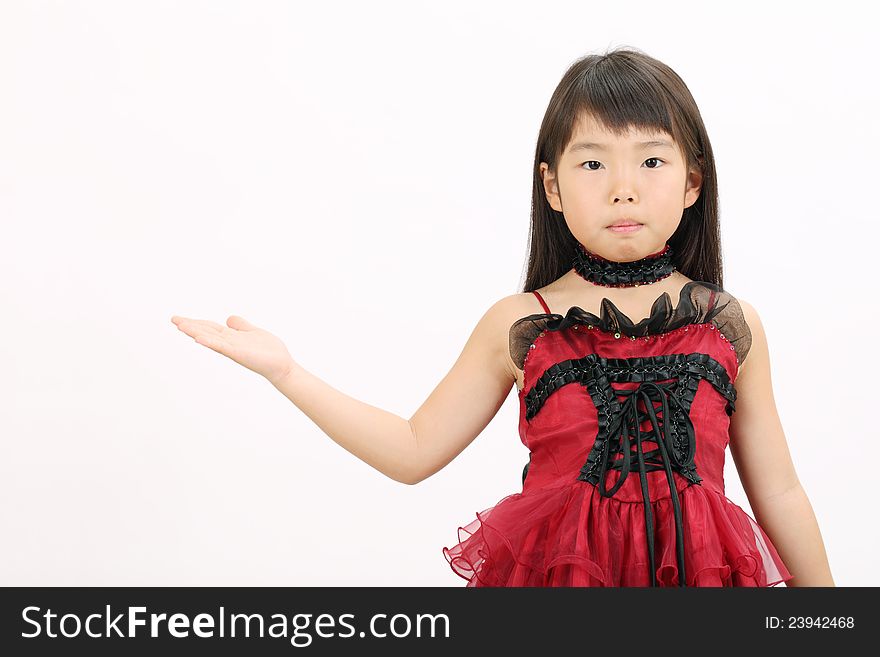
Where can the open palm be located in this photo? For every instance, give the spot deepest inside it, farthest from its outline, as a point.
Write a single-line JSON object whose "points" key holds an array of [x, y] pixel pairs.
{"points": [[246, 344]]}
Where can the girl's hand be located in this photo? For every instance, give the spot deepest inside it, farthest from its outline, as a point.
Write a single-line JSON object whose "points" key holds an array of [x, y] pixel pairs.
{"points": [[246, 344]]}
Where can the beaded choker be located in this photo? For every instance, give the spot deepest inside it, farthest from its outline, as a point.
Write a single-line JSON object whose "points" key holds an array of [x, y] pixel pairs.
{"points": [[610, 273]]}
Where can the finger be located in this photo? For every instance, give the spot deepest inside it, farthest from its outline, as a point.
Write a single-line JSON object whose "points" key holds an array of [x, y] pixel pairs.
{"points": [[178, 319], [213, 325], [239, 323], [195, 326], [214, 343]]}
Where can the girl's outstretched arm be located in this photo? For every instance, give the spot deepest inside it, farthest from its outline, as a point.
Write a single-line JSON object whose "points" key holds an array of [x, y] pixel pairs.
{"points": [[408, 451], [763, 461]]}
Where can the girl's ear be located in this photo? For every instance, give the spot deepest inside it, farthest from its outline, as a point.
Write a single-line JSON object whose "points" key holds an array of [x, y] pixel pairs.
{"points": [[551, 189], [694, 185]]}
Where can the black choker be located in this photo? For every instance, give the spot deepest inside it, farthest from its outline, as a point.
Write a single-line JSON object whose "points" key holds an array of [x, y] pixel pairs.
{"points": [[610, 273]]}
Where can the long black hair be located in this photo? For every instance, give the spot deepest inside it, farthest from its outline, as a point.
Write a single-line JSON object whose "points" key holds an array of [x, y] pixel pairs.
{"points": [[623, 89]]}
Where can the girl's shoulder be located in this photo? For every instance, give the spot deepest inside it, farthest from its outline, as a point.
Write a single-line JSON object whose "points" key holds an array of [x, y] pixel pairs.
{"points": [[506, 314]]}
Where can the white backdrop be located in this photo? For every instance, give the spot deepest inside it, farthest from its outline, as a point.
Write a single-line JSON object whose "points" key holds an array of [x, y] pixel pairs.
{"points": [[355, 177]]}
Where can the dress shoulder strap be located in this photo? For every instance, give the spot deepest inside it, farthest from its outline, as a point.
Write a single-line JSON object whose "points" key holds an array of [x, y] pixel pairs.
{"points": [[541, 299]]}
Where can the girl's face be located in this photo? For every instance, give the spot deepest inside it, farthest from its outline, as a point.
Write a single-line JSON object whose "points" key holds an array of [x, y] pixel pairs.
{"points": [[601, 179]]}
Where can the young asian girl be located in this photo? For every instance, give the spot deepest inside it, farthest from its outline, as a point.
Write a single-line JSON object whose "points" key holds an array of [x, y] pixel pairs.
{"points": [[635, 369]]}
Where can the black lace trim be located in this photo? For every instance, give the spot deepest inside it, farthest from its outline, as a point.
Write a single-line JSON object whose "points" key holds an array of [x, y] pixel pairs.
{"points": [[587, 371], [669, 380], [600, 271], [699, 302]]}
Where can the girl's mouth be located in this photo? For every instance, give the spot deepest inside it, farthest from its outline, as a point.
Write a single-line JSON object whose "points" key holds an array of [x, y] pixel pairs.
{"points": [[624, 228]]}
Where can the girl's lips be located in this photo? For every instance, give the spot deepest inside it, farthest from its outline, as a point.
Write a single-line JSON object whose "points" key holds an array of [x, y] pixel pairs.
{"points": [[625, 228]]}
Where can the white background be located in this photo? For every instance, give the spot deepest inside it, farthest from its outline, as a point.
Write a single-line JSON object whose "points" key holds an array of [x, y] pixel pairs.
{"points": [[356, 178]]}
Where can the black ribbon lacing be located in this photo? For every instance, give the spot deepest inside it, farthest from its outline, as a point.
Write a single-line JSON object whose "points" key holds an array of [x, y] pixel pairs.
{"points": [[665, 457]]}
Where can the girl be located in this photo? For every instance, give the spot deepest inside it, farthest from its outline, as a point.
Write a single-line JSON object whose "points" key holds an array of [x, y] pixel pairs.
{"points": [[627, 399]]}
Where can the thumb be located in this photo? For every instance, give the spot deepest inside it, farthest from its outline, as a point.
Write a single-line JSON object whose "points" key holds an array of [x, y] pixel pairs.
{"points": [[239, 323]]}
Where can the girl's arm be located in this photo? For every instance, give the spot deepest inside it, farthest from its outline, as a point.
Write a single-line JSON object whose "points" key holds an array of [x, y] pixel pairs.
{"points": [[454, 414], [762, 459]]}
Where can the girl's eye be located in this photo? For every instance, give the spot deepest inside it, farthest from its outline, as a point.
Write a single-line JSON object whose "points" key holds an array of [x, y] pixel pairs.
{"points": [[597, 162]]}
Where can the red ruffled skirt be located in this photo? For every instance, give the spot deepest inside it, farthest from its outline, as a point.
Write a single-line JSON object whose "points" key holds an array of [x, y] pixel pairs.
{"points": [[573, 536]]}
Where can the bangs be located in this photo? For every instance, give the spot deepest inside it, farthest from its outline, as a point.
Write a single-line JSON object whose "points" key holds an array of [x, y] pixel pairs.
{"points": [[620, 98]]}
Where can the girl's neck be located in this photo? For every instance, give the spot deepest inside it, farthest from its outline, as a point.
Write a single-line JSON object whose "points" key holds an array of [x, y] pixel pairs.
{"points": [[598, 271]]}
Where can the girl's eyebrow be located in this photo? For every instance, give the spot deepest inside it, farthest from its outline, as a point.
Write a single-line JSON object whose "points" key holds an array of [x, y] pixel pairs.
{"points": [[590, 145]]}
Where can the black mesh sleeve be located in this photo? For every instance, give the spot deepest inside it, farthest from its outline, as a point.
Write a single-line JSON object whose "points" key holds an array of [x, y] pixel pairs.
{"points": [[699, 302]]}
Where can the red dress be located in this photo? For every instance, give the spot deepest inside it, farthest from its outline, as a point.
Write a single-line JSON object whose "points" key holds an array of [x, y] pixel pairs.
{"points": [[627, 426]]}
